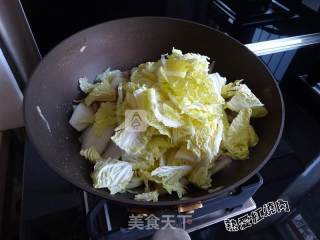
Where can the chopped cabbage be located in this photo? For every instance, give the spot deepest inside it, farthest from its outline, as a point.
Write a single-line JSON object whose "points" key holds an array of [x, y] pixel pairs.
{"points": [[242, 99], [112, 174], [105, 117], [240, 136], [192, 118], [217, 83], [90, 139], [229, 90], [106, 89], [91, 154], [147, 196], [82, 117], [258, 112], [113, 77], [85, 86], [200, 177], [169, 177], [132, 142], [134, 182], [184, 154]]}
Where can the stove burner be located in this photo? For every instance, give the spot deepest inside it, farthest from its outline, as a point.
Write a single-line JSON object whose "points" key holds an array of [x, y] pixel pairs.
{"points": [[107, 219]]}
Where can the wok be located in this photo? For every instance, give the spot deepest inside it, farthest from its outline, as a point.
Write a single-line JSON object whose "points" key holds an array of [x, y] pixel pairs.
{"points": [[123, 44]]}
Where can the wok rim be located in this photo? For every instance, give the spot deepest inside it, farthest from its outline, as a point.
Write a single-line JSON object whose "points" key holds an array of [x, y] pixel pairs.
{"points": [[132, 202]]}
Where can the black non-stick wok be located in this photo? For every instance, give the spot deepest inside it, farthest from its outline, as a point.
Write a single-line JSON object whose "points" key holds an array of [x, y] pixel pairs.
{"points": [[123, 44]]}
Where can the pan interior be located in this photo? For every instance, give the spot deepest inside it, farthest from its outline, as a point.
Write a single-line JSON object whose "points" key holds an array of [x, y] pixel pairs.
{"points": [[123, 44]]}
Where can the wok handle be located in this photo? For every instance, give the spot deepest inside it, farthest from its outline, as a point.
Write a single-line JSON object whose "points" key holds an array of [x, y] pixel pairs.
{"points": [[190, 208]]}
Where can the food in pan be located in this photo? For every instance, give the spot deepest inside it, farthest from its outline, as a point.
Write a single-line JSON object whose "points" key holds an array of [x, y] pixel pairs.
{"points": [[164, 125]]}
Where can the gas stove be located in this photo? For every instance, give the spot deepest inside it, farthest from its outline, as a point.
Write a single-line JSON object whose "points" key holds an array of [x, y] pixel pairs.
{"points": [[103, 220]]}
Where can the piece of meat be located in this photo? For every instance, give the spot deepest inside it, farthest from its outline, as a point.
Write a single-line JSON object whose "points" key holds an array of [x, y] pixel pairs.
{"points": [[126, 74], [95, 106]]}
